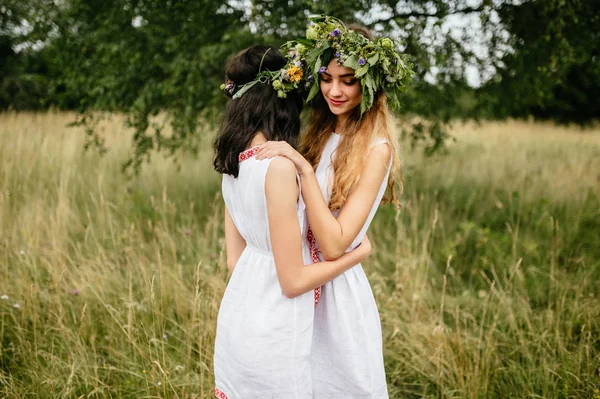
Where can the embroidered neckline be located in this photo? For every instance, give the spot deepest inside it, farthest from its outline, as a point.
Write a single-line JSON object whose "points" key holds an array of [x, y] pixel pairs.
{"points": [[249, 153]]}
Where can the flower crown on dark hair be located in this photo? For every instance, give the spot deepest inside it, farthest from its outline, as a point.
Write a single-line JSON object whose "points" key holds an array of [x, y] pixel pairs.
{"points": [[283, 80], [377, 63]]}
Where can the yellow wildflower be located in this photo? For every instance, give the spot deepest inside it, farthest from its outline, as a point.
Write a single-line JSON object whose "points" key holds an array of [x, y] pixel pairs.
{"points": [[295, 74]]}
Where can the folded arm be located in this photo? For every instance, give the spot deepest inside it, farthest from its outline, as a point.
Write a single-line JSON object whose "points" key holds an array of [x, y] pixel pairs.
{"points": [[294, 277], [335, 235]]}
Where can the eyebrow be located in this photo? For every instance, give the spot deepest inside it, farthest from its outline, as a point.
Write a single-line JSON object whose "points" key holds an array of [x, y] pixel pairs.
{"points": [[346, 75]]}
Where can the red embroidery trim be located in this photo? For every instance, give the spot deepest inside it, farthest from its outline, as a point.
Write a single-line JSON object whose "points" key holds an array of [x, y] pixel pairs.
{"points": [[314, 254], [249, 153], [220, 394]]}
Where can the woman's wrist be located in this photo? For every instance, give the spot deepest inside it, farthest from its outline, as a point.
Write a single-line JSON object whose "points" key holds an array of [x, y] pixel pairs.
{"points": [[305, 169]]}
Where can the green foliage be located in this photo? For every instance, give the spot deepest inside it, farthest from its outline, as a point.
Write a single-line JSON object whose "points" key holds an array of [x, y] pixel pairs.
{"points": [[16, 86], [553, 70], [142, 58]]}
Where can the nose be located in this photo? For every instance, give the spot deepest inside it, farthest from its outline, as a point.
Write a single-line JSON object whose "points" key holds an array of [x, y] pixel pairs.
{"points": [[336, 89]]}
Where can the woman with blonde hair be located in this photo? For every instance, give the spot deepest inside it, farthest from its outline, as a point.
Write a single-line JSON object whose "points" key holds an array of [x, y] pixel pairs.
{"points": [[349, 159]]}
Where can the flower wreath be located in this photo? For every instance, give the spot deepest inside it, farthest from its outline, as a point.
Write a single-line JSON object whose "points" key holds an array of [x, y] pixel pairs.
{"points": [[377, 63], [283, 80]]}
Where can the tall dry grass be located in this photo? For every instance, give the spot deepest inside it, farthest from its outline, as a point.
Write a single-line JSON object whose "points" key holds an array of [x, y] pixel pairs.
{"points": [[486, 281]]}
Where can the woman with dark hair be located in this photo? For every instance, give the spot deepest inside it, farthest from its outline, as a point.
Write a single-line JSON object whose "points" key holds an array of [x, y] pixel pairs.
{"points": [[265, 322], [349, 158]]}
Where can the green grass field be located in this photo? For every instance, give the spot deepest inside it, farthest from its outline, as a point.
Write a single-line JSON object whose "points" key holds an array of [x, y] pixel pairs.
{"points": [[487, 280]]}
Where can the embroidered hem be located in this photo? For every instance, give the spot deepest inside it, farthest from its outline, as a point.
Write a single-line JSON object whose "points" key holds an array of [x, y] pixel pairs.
{"points": [[220, 394]]}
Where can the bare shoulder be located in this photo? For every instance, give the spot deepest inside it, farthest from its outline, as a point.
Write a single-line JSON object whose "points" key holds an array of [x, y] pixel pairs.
{"points": [[281, 179], [381, 150], [281, 167]]}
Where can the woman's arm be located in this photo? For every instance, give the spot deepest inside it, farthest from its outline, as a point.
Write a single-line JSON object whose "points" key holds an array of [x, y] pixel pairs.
{"points": [[294, 277], [335, 235], [234, 242]]}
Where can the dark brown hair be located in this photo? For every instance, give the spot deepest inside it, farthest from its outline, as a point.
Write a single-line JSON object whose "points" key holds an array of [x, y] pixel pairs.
{"points": [[258, 110]]}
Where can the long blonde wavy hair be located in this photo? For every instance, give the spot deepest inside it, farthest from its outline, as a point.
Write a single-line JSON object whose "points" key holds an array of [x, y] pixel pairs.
{"points": [[377, 122]]}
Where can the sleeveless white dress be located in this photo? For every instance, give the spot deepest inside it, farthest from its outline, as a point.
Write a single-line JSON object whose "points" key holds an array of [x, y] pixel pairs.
{"points": [[263, 339], [347, 358]]}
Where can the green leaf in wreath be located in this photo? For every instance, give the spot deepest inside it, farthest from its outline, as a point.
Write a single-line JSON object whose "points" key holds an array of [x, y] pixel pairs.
{"points": [[244, 89], [352, 62], [361, 71], [373, 60], [314, 90]]}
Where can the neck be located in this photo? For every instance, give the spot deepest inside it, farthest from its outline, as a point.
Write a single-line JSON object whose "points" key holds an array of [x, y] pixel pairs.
{"points": [[257, 140], [340, 123]]}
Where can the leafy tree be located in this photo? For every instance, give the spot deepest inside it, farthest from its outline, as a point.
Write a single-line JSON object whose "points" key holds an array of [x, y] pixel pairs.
{"points": [[142, 58], [15, 83], [553, 70], [145, 57]]}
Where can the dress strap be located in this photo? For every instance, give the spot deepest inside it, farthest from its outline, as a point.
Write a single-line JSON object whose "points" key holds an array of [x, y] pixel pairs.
{"points": [[377, 141]]}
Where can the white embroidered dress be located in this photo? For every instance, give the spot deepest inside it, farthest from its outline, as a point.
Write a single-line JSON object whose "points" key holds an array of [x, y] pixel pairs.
{"points": [[263, 339], [347, 358]]}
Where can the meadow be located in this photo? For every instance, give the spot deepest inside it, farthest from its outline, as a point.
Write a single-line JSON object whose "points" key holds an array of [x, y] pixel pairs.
{"points": [[487, 279]]}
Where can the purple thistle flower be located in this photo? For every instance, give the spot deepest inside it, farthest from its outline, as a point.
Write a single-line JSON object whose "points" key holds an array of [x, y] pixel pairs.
{"points": [[361, 61], [322, 69], [336, 32], [338, 55], [395, 61]]}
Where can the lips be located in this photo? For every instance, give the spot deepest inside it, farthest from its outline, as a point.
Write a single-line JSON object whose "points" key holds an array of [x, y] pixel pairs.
{"points": [[336, 102]]}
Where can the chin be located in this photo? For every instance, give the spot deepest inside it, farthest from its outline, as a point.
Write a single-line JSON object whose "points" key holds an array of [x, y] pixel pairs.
{"points": [[338, 110]]}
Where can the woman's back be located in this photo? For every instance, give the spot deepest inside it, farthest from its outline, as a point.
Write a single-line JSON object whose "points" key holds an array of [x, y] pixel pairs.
{"points": [[254, 309], [245, 199]]}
